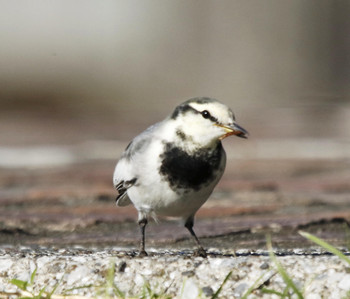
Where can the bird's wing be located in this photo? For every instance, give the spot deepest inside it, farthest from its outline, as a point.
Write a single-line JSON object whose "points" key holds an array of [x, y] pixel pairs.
{"points": [[123, 198], [123, 179], [125, 174]]}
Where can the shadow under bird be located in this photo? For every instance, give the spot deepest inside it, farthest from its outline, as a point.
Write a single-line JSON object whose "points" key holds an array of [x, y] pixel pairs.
{"points": [[171, 168]]}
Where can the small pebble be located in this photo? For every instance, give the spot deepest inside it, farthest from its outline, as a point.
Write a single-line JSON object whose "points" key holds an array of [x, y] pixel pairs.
{"points": [[170, 273], [188, 273], [122, 266], [208, 291], [264, 266]]}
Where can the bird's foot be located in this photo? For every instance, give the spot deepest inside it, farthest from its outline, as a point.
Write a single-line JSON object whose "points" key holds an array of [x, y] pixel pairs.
{"points": [[142, 253], [200, 252]]}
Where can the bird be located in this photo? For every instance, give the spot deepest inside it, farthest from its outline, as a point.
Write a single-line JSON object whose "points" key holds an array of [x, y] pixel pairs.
{"points": [[171, 168]]}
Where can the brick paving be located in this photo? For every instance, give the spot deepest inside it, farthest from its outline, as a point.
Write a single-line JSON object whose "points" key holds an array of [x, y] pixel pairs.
{"points": [[56, 181], [75, 205]]}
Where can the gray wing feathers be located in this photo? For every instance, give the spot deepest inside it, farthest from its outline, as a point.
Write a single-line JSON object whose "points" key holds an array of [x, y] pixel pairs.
{"points": [[122, 188], [125, 175], [140, 143]]}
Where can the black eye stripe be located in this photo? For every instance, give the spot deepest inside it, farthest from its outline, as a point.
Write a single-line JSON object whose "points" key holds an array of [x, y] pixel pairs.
{"points": [[183, 109]]}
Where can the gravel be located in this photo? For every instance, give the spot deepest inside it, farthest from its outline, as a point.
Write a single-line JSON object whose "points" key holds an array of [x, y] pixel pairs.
{"points": [[84, 272]]}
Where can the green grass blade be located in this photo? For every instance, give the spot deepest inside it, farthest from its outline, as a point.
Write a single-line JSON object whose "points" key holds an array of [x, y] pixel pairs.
{"points": [[32, 277], [40, 295], [68, 291], [287, 279], [119, 293], [256, 285], [217, 293], [285, 293], [110, 278], [19, 283], [347, 235], [270, 291], [49, 295], [325, 245]]}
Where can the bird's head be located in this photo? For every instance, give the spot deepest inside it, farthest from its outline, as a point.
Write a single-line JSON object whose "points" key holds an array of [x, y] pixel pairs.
{"points": [[205, 121]]}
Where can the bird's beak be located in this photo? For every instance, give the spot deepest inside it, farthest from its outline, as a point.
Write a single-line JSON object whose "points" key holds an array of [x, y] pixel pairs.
{"points": [[234, 129]]}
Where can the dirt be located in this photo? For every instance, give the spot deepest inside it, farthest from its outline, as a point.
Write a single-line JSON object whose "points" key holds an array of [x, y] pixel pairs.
{"points": [[43, 207]]}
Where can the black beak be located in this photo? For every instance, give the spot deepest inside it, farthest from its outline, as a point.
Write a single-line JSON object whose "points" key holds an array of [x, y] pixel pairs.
{"points": [[239, 131]]}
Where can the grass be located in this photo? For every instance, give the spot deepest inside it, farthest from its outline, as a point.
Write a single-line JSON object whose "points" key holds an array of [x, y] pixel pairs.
{"points": [[258, 284], [283, 273], [325, 245], [217, 293], [24, 286], [291, 290], [109, 289]]}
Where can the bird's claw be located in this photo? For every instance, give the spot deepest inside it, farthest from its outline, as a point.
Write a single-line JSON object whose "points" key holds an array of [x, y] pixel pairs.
{"points": [[142, 253], [200, 252]]}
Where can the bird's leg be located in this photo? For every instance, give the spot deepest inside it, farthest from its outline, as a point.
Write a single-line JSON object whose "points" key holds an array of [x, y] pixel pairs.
{"points": [[142, 223], [200, 250]]}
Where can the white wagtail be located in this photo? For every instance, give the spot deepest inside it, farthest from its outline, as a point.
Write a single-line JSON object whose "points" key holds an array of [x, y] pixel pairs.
{"points": [[172, 167]]}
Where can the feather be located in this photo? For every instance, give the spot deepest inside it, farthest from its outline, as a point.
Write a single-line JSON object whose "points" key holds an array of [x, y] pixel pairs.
{"points": [[122, 188]]}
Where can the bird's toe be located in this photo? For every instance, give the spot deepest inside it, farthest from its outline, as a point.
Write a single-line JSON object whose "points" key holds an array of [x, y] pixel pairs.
{"points": [[142, 253], [200, 252]]}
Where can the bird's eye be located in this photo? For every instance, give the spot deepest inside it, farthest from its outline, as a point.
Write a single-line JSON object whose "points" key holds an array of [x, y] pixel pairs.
{"points": [[205, 114]]}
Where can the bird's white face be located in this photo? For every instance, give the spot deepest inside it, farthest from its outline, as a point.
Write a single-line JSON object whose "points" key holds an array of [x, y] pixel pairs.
{"points": [[203, 122]]}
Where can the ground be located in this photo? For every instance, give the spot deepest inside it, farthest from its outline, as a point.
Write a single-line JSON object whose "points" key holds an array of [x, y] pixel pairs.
{"points": [[58, 214], [40, 206]]}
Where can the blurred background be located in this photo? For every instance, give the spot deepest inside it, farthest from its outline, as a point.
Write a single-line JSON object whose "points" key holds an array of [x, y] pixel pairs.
{"points": [[79, 79], [72, 71]]}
